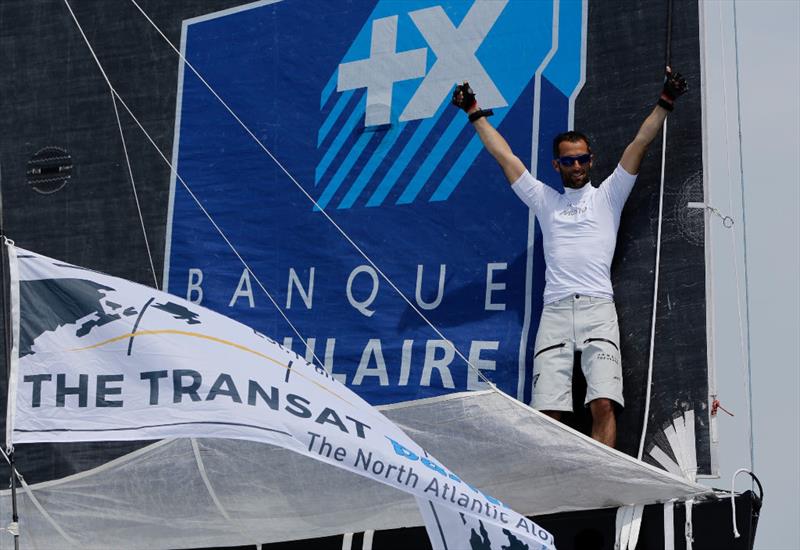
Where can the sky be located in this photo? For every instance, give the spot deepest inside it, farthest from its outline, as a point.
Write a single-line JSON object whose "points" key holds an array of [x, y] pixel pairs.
{"points": [[768, 230]]}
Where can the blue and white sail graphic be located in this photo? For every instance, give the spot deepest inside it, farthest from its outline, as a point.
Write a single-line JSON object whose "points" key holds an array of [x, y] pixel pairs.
{"points": [[406, 59], [354, 101]]}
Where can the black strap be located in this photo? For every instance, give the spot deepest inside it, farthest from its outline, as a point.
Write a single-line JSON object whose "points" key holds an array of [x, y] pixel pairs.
{"points": [[548, 348], [665, 104], [480, 113]]}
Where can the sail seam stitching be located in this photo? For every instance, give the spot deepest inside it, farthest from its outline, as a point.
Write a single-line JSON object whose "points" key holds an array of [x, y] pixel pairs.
{"points": [[202, 469]]}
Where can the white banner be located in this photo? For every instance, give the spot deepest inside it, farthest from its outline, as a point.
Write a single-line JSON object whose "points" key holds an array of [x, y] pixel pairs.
{"points": [[100, 358], [449, 529]]}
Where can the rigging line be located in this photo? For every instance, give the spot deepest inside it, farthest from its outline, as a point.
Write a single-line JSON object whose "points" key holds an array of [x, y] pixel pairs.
{"points": [[743, 343], [204, 475], [309, 197], [651, 354], [28, 491], [8, 321], [186, 186], [744, 238], [133, 187]]}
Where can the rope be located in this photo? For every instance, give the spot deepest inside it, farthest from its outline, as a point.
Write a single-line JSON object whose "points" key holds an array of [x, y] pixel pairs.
{"points": [[651, 354], [204, 475], [311, 199], [668, 41], [744, 343], [12, 529], [727, 221], [133, 186], [754, 479], [717, 406], [28, 491], [744, 240], [185, 185]]}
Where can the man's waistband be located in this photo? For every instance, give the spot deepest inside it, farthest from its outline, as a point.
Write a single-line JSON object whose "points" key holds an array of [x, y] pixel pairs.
{"points": [[578, 297]]}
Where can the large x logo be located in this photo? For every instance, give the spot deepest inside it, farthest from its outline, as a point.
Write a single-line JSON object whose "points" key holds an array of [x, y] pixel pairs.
{"points": [[455, 49], [381, 70]]}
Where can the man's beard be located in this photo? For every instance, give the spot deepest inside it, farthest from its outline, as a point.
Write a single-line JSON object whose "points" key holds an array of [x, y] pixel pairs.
{"points": [[569, 182]]}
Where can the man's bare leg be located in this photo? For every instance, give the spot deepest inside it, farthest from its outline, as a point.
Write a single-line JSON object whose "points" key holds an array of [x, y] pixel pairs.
{"points": [[604, 423]]}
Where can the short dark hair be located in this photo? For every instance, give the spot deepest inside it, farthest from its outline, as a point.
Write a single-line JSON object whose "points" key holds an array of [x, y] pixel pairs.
{"points": [[573, 137]]}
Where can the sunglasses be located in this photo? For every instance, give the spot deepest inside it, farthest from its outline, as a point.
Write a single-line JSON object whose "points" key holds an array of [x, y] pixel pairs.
{"points": [[569, 161]]}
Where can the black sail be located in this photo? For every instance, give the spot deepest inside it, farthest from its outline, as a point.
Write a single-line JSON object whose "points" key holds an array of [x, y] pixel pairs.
{"points": [[67, 194]]}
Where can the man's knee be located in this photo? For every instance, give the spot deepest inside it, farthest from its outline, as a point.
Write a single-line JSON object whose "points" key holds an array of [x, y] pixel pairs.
{"points": [[602, 408], [556, 415]]}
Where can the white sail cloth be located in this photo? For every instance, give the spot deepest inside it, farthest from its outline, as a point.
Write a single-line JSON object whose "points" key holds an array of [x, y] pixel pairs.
{"points": [[98, 358], [184, 493], [270, 494]]}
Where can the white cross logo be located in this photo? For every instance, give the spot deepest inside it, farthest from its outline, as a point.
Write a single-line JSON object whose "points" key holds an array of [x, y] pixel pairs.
{"points": [[381, 70], [455, 49]]}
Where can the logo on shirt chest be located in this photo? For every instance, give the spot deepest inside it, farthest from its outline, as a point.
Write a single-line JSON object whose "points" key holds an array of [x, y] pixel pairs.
{"points": [[574, 210]]}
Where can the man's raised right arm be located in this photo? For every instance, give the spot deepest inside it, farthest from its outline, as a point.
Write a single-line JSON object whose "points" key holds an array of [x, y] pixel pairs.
{"points": [[498, 147], [495, 143]]}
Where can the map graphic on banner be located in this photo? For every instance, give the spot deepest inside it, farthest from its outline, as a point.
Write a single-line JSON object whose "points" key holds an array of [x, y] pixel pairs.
{"points": [[98, 358], [354, 101]]}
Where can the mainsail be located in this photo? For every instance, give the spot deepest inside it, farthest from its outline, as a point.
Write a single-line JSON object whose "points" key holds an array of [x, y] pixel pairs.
{"points": [[445, 288], [152, 366], [402, 176], [99, 358]]}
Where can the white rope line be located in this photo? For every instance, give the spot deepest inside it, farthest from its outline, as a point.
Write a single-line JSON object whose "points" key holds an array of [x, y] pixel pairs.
{"points": [[186, 186], [753, 481], [12, 529], [48, 517], [37, 504], [744, 353], [651, 355], [133, 187], [309, 197], [727, 221], [744, 241], [736, 533], [202, 469]]}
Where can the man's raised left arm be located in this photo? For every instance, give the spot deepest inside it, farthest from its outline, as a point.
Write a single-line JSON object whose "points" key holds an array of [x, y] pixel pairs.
{"points": [[674, 86]]}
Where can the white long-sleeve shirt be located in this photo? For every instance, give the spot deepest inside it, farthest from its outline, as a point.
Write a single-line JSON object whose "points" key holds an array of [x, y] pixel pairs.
{"points": [[579, 230]]}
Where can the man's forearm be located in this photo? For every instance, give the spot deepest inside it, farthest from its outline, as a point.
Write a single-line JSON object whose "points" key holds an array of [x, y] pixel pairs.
{"points": [[651, 126], [634, 152], [499, 149], [674, 86], [464, 99], [495, 143]]}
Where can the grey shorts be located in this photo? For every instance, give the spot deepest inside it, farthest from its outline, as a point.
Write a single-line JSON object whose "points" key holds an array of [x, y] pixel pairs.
{"points": [[577, 323]]}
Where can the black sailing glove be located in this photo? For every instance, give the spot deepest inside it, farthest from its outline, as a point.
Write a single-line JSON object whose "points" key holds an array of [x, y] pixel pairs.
{"points": [[674, 86], [463, 97]]}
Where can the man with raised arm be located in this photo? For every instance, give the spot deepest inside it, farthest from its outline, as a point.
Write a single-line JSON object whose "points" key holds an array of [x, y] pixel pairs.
{"points": [[579, 231]]}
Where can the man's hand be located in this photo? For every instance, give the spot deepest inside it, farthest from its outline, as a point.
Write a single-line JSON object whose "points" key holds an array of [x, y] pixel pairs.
{"points": [[674, 86], [464, 97]]}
